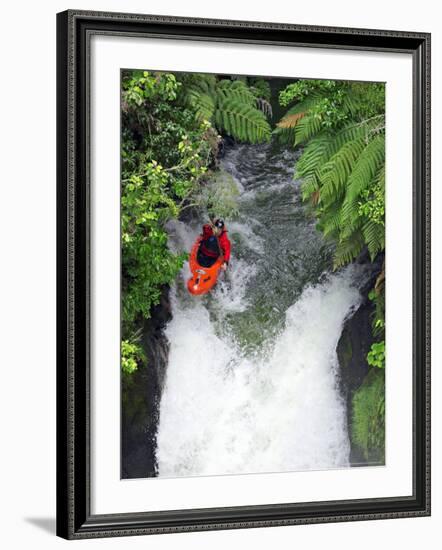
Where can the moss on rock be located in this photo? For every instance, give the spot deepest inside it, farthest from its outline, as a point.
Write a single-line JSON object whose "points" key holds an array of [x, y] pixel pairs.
{"points": [[368, 417]]}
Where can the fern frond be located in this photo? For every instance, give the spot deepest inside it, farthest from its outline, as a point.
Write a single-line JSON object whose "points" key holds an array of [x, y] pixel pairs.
{"points": [[306, 128], [367, 166], [315, 154], [310, 185], [286, 133], [374, 236], [349, 227], [200, 95], [351, 102], [323, 146], [205, 83], [339, 166], [203, 104], [235, 90], [242, 122], [335, 173], [302, 106], [290, 121], [347, 250], [331, 221], [363, 176]]}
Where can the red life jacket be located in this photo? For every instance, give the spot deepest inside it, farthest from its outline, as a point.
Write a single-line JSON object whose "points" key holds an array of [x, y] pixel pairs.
{"points": [[209, 243], [210, 248]]}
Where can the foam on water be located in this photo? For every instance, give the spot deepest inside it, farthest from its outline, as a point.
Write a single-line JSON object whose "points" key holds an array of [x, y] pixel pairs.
{"points": [[224, 412], [251, 383], [248, 237]]}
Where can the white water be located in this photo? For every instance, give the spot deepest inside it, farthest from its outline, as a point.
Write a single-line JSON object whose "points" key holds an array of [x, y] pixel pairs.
{"points": [[256, 407], [222, 412]]}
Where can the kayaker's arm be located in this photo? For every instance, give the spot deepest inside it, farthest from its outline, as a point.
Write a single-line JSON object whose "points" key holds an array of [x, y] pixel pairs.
{"points": [[225, 245]]}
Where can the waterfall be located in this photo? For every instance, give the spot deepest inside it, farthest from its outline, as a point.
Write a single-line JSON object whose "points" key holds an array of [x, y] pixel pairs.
{"points": [[252, 380]]}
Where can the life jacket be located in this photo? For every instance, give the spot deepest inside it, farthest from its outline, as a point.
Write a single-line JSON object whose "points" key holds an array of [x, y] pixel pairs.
{"points": [[209, 247]]}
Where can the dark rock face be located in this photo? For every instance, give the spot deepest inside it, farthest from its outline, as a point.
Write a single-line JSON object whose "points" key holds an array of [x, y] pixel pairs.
{"points": [[352, 349], [155, 343], [353, 346], [141, 395]]}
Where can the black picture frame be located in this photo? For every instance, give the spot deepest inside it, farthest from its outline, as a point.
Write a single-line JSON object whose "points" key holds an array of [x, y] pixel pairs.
{"points": [[74, 518]]}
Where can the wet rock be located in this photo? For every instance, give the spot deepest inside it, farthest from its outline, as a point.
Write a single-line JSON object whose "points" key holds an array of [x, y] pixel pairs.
{"points": [[352, 349], [141, 394], [353, 346], [155, 343], [225, 143]]}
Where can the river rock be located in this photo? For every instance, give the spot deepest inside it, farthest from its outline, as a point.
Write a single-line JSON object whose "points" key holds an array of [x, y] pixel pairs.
{"points": [[353, 345], [154, 341], [142, 394]]}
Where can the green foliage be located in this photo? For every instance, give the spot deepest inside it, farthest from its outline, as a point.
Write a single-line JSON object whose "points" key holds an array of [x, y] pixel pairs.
{"points": [[219, 197], [147, 263], [166, 152], [131, 355], [260, 88], [302, 89], [286, 129], [377, 296], [242, 121], [372, 203], [376, 355], [231, 105], [368, 419], [143, 86], [168, 145], [342, 125]]}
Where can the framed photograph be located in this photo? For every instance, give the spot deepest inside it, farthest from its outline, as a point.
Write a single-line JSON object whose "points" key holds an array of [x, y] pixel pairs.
{"points": [[243, 274]]}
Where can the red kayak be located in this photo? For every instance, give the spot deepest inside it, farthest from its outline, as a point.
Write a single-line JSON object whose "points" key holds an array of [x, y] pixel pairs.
{"points": [[203, 279]]}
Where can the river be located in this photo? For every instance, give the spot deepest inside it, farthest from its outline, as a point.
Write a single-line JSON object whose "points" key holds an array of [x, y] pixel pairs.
{"points": [[252, 376]]}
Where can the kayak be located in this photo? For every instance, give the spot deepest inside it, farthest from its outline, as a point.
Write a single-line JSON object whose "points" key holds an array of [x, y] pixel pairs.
{"points": [[203, 279]]}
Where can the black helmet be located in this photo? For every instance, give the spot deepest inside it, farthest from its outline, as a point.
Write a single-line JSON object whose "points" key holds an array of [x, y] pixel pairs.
{"points": [[219, 223]]}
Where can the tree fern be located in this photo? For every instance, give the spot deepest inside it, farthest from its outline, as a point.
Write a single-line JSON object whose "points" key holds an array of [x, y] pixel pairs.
{"points": [[242, 121], [285, 128], [335, 173], [342, 165], [236, 90], [330, 221], [369, 162], [310, 119], [348, 249], [307, 127], [374, 236], [367, 166], [230, 105], [321, 148], [203, 104]]}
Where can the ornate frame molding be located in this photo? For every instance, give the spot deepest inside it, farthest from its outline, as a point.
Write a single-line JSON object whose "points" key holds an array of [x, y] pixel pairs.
{"points": [[74, 29]]}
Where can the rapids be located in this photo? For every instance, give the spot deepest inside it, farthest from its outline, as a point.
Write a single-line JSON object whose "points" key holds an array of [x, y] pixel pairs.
{"points": [[252, 379]]}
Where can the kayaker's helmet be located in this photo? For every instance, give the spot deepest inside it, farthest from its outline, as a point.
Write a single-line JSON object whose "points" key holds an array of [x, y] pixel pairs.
{"points": [[219, 224]]}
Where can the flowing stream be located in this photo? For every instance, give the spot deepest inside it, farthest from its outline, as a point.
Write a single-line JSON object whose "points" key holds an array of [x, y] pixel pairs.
{"points": [[252, 379]]}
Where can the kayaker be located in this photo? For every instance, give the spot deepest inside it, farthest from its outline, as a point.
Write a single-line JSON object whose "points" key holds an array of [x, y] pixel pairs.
{"points": [[209, 249], [220, 232]]}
